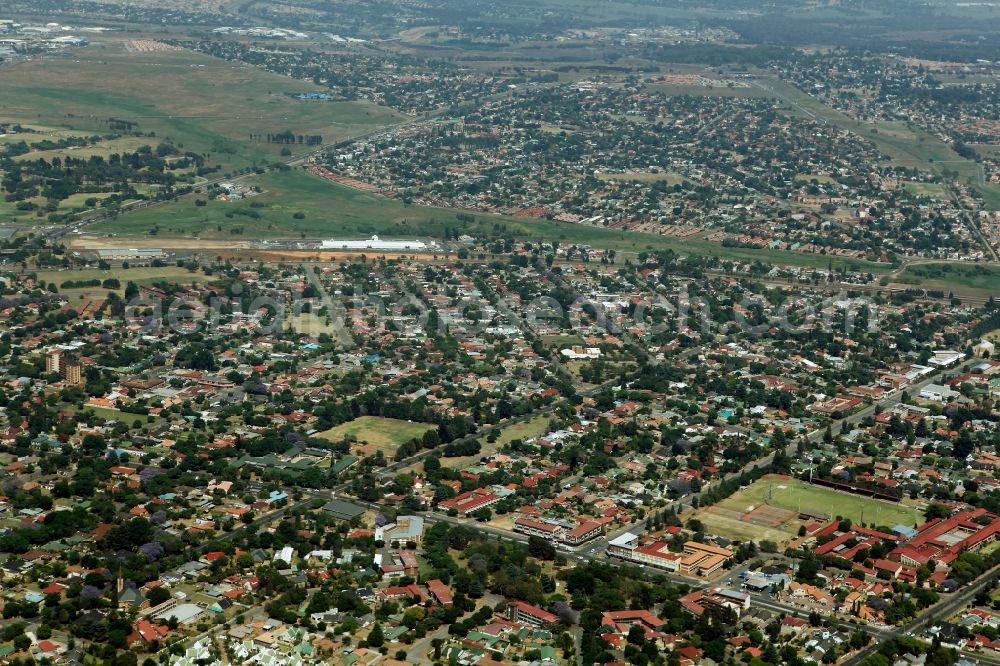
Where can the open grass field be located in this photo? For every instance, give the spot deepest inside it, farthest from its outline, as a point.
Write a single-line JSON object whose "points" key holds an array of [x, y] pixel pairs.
{"points": [[533, 427], [913, 147], [932, 190], [376, 433], [110, 414], [202, 103], [310, 324], [771, 492], [987, 149], [331, 210], [560, 341], [819, 178], [942, 275], [705, 91], [125, 275]]}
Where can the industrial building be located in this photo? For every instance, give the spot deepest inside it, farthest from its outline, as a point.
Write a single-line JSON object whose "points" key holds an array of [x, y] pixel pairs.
{"points": [[373, 243]]}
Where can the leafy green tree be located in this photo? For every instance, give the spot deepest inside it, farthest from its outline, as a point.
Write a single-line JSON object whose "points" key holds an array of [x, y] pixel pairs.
{"points": [[376, 638]]}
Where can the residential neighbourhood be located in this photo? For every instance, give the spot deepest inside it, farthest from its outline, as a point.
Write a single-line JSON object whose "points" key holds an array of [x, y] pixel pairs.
{"points": [[479, 334]]}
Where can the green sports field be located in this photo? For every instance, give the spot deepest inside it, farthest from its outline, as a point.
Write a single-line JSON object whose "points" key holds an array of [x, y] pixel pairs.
{"points": [[728, 517], [377, 433], [796, 495]]}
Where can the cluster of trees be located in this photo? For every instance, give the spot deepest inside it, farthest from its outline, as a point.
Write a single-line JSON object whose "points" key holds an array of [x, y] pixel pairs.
{"points": [[290, 138], [57, 525], [109, 283], [60, 178], [889, 651]]}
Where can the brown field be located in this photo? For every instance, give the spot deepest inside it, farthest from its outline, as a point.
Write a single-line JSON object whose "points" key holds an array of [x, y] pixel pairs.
{"points": [[668, 177]]}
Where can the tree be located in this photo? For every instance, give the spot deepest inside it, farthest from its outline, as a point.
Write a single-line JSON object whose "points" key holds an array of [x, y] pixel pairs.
{"points": [[375, 637], [157, 596], [436, 643], [540, 548], [936, 510], [808, 569]]}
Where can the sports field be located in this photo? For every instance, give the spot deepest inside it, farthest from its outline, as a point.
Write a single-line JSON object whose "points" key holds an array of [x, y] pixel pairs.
{"points": [[769, 509], [376, 433], [933, 190], [139, 275]]}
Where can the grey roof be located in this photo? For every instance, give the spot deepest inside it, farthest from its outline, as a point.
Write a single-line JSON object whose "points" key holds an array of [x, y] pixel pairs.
{"points": [[343, 510]]}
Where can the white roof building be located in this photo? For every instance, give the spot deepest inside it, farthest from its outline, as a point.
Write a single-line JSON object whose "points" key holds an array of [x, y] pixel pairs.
{"points": [[285, 554], [373, 243]]}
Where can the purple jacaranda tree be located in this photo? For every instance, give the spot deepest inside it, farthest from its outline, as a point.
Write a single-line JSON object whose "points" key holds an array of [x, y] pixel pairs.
{"points": [[152, 550], [90, 592], [150, 473]]}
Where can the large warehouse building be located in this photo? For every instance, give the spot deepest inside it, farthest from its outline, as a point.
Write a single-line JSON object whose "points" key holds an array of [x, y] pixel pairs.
{"points": [[373, 243]]}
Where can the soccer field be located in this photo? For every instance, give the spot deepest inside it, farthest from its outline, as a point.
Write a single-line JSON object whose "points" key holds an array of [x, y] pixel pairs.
{"points": [[377, 433], [798, 496], [780, 499]]}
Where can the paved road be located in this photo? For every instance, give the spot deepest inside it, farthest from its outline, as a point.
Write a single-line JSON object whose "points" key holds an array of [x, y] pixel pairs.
{"points": [[938, 612], [418, 652], [594, 550], [835, 425]]}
